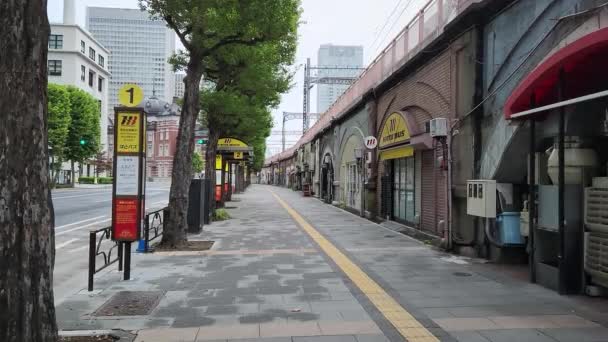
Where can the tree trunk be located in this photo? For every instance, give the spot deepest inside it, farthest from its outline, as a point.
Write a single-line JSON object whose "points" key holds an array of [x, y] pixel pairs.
{"points": [[210, 154], [174, 233], [73, 175], [27, 311]]}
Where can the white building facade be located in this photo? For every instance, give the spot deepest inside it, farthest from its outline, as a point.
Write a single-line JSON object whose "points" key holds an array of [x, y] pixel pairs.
{"points": [[330, 55], [75, 58], [140, 50]]}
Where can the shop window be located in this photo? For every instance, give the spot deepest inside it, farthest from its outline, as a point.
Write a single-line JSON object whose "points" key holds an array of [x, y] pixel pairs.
{"points": [[403, 190]]}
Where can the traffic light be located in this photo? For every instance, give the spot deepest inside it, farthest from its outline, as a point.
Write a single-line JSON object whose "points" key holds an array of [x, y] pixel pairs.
{"points": [[201, 141], [83, 142]]}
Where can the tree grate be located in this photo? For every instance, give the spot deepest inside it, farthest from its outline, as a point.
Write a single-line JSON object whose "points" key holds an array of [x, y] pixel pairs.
{"points": [[130, 303]]}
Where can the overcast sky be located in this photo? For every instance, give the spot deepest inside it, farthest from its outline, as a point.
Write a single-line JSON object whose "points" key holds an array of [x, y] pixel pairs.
{"points": [[371, 23]]}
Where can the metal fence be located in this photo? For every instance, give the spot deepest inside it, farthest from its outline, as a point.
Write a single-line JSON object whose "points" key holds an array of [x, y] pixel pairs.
{"points": [[98, 248], [153, 228]]}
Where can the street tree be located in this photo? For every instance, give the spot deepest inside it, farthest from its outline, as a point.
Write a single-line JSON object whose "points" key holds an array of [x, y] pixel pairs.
{"points": [[59, 124], [27, 311], [203, 27], [84, 132], [245, 82]]}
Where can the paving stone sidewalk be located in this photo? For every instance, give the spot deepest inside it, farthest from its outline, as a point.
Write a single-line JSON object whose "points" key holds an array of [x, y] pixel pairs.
{"points": [[265, 279]]}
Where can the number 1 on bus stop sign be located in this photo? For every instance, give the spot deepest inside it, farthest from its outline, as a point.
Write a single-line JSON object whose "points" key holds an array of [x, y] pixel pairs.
{"points": [[130, 95]]}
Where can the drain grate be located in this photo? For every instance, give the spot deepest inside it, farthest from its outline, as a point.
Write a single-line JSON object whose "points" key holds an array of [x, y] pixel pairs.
{"points": [[462, 274], [230, 207], [389, 236], [130, 303]]}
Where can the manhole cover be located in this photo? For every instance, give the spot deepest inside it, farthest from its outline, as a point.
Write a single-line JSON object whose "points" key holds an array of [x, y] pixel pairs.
{"points": [[190, 246], [130, 303], [462, 274], [389, 236]]}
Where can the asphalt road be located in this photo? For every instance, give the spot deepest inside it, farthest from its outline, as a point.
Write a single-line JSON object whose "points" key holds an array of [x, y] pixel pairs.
{"points": [[77, 211]]}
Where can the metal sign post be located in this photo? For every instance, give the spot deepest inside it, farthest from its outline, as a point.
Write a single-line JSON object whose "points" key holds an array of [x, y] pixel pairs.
{"points": [[128, 188]]}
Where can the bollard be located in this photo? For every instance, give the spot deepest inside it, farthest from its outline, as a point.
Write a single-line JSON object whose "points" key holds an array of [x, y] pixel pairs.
{"points": [[92, 243], [142, 246]]}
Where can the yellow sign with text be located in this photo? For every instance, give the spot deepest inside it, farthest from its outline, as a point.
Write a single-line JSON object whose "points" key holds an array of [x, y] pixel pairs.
{"points": [[394, 131], [238, 155], [218, 162], [128, 132], [230, 142], [130, 95]]}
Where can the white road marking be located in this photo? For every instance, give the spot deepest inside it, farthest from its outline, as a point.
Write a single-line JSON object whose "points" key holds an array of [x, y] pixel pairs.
{"points": [[61, 245], [78, 249], [79, 222], [81, 227]]}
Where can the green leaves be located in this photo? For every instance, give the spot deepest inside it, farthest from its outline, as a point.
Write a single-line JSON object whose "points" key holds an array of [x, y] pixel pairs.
{"points": [[59, 118], [197, 162], [84, 112]]}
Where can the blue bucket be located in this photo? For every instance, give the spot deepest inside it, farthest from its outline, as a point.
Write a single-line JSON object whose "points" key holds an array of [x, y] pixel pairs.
{"points": [[508, 227]]}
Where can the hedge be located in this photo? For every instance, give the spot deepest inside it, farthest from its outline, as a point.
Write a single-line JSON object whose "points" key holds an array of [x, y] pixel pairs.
{"points": [[104, 180], [91, 180]]}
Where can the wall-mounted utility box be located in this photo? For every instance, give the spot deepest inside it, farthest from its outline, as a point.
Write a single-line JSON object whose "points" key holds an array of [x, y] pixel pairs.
{"points": [[481, 198], [438, 127]]}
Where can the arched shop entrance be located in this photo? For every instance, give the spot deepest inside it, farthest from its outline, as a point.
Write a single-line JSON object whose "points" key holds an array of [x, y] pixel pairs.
{"points": [[563, 105], [327, 178]]}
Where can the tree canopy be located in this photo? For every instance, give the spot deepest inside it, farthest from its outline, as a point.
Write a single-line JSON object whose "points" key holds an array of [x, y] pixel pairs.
{"points": [[205, 27], [59, 121], [84, 133]]}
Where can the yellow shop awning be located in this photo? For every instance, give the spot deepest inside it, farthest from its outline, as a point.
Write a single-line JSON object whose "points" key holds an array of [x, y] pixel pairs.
{"points": [[398, 152]]}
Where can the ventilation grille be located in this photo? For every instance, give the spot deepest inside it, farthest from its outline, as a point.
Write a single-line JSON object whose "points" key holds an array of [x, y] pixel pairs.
{"points": [[596, 257], [596, 209]]}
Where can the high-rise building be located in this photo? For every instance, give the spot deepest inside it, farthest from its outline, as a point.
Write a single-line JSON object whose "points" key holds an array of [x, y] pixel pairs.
{"points": [[140, 49], [179, 86], [330, 55], [77, 59]]}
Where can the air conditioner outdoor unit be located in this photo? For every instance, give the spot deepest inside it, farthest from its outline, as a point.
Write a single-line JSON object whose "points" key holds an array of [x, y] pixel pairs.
{"points": [[438, 127], [596, 257]]}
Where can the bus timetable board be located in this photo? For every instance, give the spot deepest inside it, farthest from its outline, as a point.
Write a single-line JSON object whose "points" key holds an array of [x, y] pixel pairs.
{"points": [[129, 166]]}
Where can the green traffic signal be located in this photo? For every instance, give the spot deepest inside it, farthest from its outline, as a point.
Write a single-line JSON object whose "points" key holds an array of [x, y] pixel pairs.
{"points": [[201, 141], [83, 142]]}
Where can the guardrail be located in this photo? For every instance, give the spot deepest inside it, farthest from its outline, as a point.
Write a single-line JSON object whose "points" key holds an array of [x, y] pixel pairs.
{"points": [[153, 229], [95, 250]]}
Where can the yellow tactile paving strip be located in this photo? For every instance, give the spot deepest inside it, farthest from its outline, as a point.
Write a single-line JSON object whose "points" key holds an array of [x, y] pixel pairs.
{"points": [[402, 320]]}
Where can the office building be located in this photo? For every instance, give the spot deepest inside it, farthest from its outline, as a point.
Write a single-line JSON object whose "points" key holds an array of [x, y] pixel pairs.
{"points": [[330, 55], [179, 86], [140, 50]]}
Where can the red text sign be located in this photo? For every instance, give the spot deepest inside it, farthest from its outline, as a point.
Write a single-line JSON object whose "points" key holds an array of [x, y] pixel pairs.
{"points": [[125, 219]]}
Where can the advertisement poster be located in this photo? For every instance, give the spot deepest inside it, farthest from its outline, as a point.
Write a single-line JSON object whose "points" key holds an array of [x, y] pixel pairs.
{"points": [[127, 172], [125, 219]]}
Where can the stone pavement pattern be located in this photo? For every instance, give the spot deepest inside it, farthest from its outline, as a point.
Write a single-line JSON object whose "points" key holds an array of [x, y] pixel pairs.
{"points": [[265, 279]]}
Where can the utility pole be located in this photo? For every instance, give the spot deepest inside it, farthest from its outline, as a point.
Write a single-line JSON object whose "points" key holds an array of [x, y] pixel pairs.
{"points": [[325, 78], [294, 116]]}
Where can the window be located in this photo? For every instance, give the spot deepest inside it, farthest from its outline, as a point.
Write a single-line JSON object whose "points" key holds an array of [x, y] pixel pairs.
{"points": [[91, 78], [56, 41], [82, 46], [91, 53], [100, 83], [99, 106], [55, 68], [83, 73], [102, 61], [403, 190]]}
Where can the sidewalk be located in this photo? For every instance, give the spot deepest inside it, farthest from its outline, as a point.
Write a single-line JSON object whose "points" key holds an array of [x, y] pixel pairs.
{"points": [[289, 268]]}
